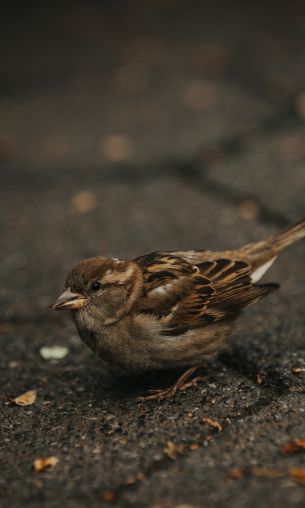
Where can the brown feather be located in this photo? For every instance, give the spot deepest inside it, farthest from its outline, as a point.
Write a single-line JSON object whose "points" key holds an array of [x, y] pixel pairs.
{"points": [[186, 296]]}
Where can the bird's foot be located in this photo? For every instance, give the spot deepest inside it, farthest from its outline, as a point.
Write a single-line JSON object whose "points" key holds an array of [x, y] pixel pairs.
{"points": [[167, 393]]}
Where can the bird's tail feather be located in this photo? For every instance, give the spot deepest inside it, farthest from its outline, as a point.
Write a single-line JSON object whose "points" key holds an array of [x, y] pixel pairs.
{"points": [[289, 235], [259, 253]]}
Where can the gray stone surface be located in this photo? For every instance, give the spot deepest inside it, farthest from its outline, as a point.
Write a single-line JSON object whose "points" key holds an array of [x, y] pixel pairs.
{"points": [[209, 101]]}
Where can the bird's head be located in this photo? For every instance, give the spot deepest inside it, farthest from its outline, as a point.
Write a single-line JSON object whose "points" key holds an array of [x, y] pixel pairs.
{"points": [[105, 288]]}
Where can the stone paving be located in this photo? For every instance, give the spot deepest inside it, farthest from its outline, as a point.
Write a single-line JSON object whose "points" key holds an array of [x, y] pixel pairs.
{"points": [[134, 127]]}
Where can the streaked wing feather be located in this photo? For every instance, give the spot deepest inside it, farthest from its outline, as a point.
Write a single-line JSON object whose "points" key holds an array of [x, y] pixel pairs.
{"points": [[233, 291], [187, 296]]}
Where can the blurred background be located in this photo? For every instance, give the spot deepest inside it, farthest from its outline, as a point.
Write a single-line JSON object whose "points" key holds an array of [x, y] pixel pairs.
{"points": [[132, 126]]}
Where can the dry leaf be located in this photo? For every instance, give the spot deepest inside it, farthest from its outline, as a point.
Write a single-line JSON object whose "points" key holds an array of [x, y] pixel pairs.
{"points": [[209, 437], [117, 148], [293, 446], [212, 423], [131, 480], [297, 370], [235, 474], [260, 379], [45, 463], [84, 201], [172, 450], [194, 446], [109, 496], [26, 399], [248, 209], [266, 473], [5, 327], [297, 474], [53, 352]]}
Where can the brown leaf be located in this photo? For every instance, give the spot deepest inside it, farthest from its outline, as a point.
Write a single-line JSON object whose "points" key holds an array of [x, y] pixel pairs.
{"points": [[212, 423], [109, 496], [194, 446], [235, 474], [248, 209], [209, 437], [84, 201], [26, 399], [172, 450], [293, 446], [5, 327], [260, 379], [297, 370], [117, 147], [131, 480], [45, 463], [297, 474], [266, 473]]}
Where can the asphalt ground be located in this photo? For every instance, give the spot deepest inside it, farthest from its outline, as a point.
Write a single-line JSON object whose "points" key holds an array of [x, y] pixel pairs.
{"points": [[126, 129]]}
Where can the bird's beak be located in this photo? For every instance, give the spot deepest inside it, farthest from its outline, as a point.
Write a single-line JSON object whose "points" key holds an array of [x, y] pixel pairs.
{"points": [[69, 300]]}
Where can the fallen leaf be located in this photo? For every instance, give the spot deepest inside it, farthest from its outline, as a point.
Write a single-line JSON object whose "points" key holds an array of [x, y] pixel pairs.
{"points": [[235, 474], [262, 472], [297, 474], [53, 352], [26, 399], [266, 473], [109, 496], [194, 446], [297, 370], [45, 463], [84, 201], [248, 209], [209, 437], [293, 446], [117, 147], [131, 480], [5, 327], [260, 379], [212, 423], [172, 450]]}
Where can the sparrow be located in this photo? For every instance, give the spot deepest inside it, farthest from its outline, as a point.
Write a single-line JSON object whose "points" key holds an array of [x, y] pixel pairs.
{"points": [[171, 309]]}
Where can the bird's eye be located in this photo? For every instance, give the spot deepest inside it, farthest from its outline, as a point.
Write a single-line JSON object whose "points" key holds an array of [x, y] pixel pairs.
{"points": [[96, 285]]}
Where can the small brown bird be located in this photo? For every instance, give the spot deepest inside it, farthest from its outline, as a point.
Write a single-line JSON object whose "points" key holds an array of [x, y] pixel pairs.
{"points": [[168, 309]]}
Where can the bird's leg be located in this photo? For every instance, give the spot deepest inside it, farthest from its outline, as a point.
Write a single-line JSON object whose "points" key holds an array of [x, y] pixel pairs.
{"points": [[182, 383]]}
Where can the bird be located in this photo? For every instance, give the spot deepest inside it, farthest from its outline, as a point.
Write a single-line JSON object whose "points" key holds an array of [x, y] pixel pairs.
{"points": [[168, 309]]}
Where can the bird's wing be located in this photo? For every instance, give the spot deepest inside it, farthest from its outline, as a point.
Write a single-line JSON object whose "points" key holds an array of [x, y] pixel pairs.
{"points": [[168, 279], [188, 296]]}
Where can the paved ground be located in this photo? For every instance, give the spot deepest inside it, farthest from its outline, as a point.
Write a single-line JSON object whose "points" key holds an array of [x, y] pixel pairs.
{"points": [[125, 129]]}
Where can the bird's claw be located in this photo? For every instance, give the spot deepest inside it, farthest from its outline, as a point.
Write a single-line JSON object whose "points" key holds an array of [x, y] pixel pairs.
{"points": [[167, 393]]}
